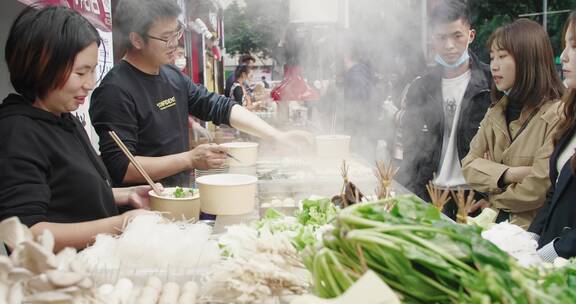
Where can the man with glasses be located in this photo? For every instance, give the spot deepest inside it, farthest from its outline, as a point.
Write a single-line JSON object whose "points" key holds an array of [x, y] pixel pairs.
{"points": [[445, 106], [146, 101]]}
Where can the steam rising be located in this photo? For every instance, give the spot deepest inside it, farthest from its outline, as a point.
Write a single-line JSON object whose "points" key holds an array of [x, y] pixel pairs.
{"points": [[383, 39]]}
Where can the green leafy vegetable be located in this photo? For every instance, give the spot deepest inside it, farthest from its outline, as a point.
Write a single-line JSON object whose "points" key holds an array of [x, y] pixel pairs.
{"points": [[426, 258], [179, 193], [316, 212]]}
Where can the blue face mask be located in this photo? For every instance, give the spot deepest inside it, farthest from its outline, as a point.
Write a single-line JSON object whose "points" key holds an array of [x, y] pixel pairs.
{"points": [[464, 58]]}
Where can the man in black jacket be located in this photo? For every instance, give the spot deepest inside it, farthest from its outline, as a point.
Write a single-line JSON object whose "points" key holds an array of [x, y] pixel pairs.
{"points": [[444, 107]]}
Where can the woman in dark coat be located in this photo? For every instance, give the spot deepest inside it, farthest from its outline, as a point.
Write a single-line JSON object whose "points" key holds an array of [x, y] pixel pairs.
{"points": [[555, 225]]}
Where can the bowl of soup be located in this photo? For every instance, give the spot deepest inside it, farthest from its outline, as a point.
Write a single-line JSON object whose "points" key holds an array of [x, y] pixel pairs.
{"points": [[177, 203]]}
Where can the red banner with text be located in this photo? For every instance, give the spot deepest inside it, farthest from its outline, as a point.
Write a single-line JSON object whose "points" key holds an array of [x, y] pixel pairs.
{"points": [[99, 12]]}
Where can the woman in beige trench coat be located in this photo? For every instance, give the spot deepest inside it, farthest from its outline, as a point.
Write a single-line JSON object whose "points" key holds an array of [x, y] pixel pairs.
{"points": [[508, 158]]}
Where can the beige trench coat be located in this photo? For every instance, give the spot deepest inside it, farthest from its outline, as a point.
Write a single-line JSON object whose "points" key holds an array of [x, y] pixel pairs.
{"points": [[532, 147]]}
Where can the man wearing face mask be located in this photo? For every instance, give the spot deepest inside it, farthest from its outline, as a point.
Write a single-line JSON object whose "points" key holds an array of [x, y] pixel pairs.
{"points": [[180, 62], [444, 108], [180, 58]]}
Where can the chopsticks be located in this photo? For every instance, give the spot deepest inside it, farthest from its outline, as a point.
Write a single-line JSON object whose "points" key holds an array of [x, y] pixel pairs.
{"points": [[135, 162], [233, 157]]}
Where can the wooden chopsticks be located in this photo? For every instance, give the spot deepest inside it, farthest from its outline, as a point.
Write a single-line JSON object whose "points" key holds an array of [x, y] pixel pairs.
{"points": [[134, 162]]}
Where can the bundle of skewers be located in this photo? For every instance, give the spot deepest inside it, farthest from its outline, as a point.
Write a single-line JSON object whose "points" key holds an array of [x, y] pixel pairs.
{"points": [[464, 204], [349, 194], [385, 174], [439, 197]]}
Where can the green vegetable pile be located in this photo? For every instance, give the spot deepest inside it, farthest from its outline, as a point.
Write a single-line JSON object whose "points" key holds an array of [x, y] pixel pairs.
{"points": [[317, 212], [425, 258], [561, 283], [302, 228]]}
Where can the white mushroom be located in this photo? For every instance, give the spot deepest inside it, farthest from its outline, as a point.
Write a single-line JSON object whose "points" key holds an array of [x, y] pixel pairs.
{"points": [[37, 258], [5, 264], [16, 294], [19, 274], [46, 239], [86, 283], [78, 267], [63, 278], [12, 232], [16, 256], [3, 292], [69, 290], [40, 283], [49, 297], [65, 257]]}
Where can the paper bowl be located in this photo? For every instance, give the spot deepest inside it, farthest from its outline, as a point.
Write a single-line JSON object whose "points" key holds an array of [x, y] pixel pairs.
{"points": [[174, 208], [227, 194], [245, 152], [333, 146]]}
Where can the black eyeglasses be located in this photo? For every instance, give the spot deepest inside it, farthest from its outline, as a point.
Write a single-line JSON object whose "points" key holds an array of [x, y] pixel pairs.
{"points": [[172, 40]]}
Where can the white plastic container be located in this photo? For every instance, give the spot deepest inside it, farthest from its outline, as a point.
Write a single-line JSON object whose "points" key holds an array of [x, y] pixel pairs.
{"points": [[174, 208], [245, 152], [227, 194], [333, 146]]}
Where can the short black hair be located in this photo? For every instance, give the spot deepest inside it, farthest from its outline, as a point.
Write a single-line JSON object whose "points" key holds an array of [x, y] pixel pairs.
{"points": [[137, 16], [449, 11], [241, 69], [42, 46], [246, 58]]}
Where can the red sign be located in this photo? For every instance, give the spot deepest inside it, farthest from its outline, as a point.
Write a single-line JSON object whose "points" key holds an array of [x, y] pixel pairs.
{"points": [[98, 12]]}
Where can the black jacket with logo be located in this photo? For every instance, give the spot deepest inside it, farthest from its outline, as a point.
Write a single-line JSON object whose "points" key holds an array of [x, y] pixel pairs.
{"points": [[49, 172], [423, 124], [150, 114]]}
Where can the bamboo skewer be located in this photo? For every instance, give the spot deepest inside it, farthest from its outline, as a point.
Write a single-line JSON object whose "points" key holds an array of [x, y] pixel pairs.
{"points": [[344, 174], [438, 197], [134, 162]]}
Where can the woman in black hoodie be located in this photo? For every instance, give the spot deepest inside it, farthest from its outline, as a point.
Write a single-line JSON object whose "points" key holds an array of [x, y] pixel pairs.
{"points": [[50, 176]]}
